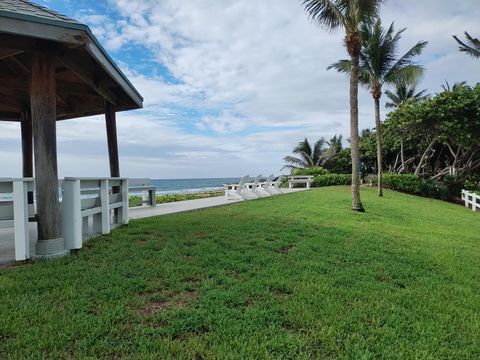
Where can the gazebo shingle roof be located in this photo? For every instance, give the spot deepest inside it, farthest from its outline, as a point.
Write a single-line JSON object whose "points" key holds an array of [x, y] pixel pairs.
{"points": [[86, 75], [30, 9]]}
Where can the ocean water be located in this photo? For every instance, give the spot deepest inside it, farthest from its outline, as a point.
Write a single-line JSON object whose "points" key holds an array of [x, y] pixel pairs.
{"points": [[176, 186]]}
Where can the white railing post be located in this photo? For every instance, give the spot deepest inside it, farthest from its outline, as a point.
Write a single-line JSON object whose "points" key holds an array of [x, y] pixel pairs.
{"points": [[124, 191], [20, 219], [72, 222], [474, 202], [105, 203]]}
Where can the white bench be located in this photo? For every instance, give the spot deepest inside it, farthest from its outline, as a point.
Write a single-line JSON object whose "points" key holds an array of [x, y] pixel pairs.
{"points": [[148, 191], [300, 179], [90, 207], [15, 213], [471, 199]]}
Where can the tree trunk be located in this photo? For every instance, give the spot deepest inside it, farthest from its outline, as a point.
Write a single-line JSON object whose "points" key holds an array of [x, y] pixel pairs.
{"points": [[402, 156], [354, 140], [424, 156], [378, 133]]}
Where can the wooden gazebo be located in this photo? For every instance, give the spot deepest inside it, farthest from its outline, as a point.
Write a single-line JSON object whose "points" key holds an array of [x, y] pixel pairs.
{"points": [[52, 68]]}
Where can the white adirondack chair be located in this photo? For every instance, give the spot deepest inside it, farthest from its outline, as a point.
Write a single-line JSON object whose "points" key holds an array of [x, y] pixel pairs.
{"points": [[251, 189], [274, 188], [263, 186], [236, 191]]}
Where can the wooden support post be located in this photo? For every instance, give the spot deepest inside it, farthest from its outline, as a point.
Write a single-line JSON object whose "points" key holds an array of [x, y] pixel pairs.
{"points": [[27, 149], [111, 122], [42, 99], [27, 144]]}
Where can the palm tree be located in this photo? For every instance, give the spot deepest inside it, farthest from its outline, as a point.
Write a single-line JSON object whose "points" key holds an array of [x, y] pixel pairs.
{"points": [[472, 47], [405, 93], [349, 14], [379, 65], [330, 155], [456, 86], [307, 156]]}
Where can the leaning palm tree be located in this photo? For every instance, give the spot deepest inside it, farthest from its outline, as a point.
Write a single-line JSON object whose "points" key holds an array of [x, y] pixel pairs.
{"points": [[349, 14], [307, 156], [379, 65], [404, 93], [471, 47]]}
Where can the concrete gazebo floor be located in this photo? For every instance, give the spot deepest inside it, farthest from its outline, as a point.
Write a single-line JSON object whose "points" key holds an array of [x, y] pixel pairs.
{"points": [[7, 251]]}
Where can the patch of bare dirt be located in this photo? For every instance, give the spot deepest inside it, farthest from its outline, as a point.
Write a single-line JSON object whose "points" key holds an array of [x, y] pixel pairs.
{"points": [[177, 301]]}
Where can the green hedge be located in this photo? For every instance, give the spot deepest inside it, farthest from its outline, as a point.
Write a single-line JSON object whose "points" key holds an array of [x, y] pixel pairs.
{"points": [[448, 189], [472, 183], [408, 183], [314, 170], [332, 179]]}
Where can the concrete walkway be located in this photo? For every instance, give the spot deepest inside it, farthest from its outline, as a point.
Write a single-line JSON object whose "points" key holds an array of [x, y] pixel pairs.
{"points": [[7, 250], [187, 205]]}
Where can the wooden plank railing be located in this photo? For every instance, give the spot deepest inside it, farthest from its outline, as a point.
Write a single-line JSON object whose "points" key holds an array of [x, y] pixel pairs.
{"points": [[92, 206], [471, 199], [15, 213]]}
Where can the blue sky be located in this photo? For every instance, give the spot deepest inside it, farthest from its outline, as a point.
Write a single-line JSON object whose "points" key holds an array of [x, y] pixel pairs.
{"points": [[231, 86]]}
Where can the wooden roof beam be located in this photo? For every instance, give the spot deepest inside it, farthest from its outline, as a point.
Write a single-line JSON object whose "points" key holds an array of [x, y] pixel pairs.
{"points": [[85, 69], [63, 87], [10, 116], [7, 53]]}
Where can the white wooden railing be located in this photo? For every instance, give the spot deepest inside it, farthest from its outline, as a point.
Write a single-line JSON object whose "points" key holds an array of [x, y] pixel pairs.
{"points": [[92, 206], [471, 199], [15, 212]]}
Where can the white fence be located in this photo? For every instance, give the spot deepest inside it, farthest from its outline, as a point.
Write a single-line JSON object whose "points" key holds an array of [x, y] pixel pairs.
{"points": [[92, 206], [14, 213], [471, 200], [89, 207]]}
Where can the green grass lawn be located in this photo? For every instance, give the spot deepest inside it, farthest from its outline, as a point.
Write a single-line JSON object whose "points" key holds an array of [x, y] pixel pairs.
{"points": [[297, 276], [166, 198]]}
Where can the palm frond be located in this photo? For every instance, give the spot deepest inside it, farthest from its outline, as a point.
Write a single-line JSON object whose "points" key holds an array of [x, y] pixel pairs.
{"points": [[333, 14], [293, 161], [405, 93], [317, 151], [342, 66], [324, 12], [473, 46], [406, 60]]}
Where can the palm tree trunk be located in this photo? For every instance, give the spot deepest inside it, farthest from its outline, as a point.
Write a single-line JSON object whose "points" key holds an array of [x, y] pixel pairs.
{"points": [[378, 133], [354, 140]]}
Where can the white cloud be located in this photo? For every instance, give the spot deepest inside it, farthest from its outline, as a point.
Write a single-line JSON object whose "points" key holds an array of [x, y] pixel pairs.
{"points": [[254, 71]]}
